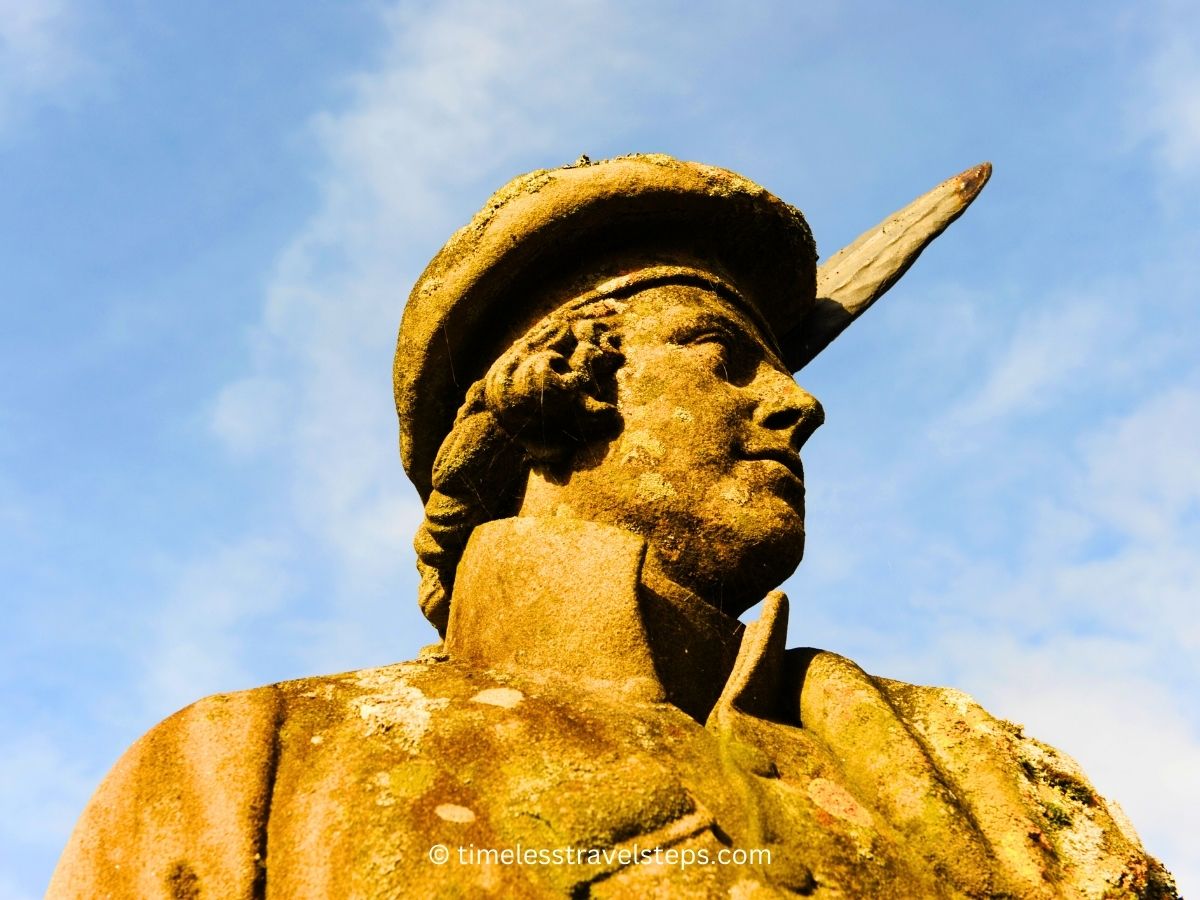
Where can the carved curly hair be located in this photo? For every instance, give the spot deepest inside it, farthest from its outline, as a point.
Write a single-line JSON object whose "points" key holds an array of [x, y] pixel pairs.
{"points": [[549, 394]]}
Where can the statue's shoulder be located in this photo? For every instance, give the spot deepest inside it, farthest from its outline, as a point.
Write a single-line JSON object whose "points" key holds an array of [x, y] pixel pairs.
{"points": [[205, 769], [193, 795], [1032, 804], [237, 736]]}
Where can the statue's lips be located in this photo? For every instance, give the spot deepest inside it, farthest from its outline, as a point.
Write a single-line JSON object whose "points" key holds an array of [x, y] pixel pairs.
{"points": [[789, 460]]}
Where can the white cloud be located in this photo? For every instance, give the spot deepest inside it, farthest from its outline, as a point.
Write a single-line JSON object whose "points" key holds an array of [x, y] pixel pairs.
{"points": [[10, 891], [39, 54], [1049, 349], [43, 786], [1127, 559], [1142, 475], [42, 789], [1167, 108], [205, 639], [246, 416]]}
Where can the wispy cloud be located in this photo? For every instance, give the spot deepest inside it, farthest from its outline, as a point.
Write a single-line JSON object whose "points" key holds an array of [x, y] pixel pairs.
{"points": [[1167, 109], [1040, 367], [9, 890], [39, 52], [40, 789], [1113, 543], [1142, 477], [43, 785], [207, 637]]}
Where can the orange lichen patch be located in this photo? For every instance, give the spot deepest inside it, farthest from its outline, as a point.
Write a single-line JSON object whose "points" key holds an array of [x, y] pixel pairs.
{"points": [[838, 802]]}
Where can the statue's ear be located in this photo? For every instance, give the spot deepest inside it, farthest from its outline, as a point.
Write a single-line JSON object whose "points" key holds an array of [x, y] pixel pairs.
{"points": [[554, 390]]}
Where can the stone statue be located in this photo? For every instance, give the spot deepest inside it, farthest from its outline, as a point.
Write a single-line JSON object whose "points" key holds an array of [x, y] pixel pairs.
{"points": [[596, 403]]}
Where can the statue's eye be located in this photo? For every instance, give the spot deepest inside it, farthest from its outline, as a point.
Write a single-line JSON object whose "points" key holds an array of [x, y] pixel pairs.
{"points": [[734, 356], [719, 338], [723, 348], [702, 337]]}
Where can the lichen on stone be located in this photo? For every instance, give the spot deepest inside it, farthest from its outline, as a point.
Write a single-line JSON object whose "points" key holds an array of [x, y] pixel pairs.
{"points": [[392, 706]]}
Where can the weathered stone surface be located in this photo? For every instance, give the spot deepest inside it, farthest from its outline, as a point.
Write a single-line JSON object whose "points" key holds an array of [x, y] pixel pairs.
{"points": [[595, 392]]}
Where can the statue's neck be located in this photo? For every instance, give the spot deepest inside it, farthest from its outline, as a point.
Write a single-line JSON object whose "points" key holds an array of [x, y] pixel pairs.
{"points": [[563, 598], [693, 644]]}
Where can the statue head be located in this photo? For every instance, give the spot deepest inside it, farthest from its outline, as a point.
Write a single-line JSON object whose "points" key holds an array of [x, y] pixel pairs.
{"points": [[614, 342], [702, 457]]}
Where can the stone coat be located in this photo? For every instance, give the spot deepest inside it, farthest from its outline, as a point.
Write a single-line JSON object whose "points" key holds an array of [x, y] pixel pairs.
{"points": [[341, 786]]}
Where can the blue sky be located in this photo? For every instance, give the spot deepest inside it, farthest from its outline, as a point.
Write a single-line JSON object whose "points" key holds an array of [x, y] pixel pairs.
{"points": [[211, 219]]}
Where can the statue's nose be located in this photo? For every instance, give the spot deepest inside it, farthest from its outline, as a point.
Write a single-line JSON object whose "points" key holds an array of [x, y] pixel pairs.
{"points": [[787, 407]]}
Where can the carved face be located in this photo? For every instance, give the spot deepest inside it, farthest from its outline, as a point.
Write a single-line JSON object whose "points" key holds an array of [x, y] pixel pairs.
{"points": [[706, 466]]}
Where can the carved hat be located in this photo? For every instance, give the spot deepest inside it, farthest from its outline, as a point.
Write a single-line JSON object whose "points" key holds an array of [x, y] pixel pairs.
{"points": [[545, 234], [554, 234]]}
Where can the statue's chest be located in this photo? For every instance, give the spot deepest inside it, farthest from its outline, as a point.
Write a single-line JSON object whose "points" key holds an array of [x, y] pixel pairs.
{"points": [[452, 784], [521, 789]]}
